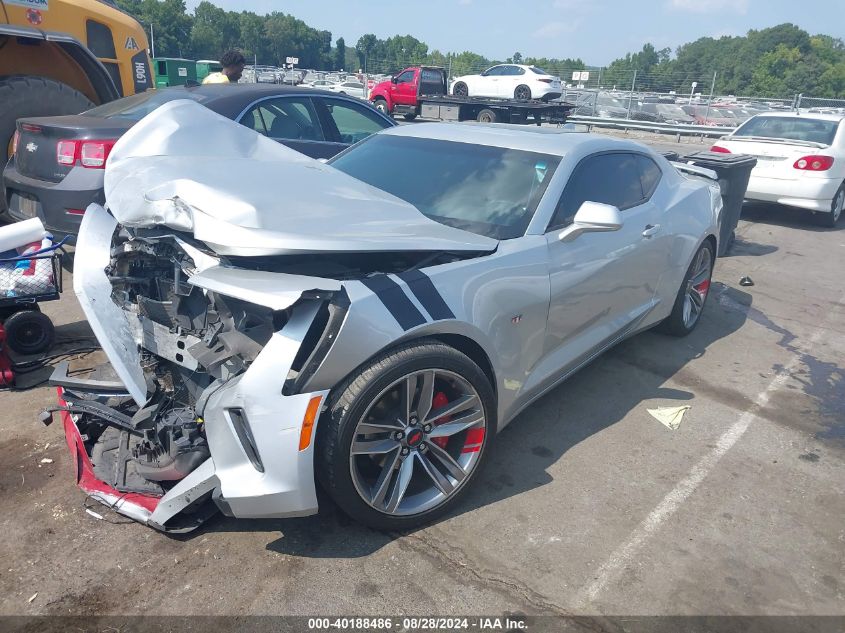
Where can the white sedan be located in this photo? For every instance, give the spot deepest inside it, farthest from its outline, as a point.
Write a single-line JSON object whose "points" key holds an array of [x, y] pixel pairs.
{"points": [[509, 81], [351, 88], [800, 160]]}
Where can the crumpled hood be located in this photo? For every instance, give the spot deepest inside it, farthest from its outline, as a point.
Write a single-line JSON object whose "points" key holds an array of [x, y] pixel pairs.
{"points": [[190, 169]]}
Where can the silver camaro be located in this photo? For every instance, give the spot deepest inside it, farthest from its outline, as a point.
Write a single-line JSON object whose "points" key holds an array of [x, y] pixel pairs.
{"points": [[370, 324]]}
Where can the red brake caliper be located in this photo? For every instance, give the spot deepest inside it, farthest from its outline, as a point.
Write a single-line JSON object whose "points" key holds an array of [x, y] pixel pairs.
{"points": [[440, 400], [474, 437], [702, 288]]}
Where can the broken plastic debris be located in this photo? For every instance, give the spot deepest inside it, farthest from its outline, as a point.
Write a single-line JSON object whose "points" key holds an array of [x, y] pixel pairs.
{"points": [[746, 281], [96, 515], [46, 460], [33, 597], [669, 416]]}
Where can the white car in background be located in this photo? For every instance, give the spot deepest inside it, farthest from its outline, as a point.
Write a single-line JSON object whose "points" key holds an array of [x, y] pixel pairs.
{"points": [[800, 160], [351, 88], [509, 81]]}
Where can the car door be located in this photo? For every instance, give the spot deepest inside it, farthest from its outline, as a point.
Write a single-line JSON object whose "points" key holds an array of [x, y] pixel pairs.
{"points": [[488, 83], [347, 122], [512, 76], [602, 284], [404, 91], [292, 121]]}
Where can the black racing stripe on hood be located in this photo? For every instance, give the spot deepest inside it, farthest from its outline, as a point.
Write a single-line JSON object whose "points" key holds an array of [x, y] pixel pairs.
{"points": [[395, 300], [425, 292]]}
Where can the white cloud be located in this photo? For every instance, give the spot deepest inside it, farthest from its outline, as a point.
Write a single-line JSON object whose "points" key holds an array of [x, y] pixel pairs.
{"points": [[554, 29], [710, 6]]}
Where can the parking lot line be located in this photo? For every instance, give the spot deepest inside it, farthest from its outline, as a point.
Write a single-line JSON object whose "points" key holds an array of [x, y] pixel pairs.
{"points": [[617, 562]]}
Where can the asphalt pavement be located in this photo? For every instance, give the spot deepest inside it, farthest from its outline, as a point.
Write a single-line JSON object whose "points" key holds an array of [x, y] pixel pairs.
{"points": [[589, 505]]}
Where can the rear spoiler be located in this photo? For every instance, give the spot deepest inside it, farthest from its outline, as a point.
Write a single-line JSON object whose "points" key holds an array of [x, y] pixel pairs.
{"points": [[695, 170]]}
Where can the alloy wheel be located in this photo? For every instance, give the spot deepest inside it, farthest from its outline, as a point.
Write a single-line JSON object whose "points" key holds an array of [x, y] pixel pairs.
{"points": [[418, 442], [697, 287]]}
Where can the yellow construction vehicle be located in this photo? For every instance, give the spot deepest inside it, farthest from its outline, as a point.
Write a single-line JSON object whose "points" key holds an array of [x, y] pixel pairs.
{"points": [[65, 56]]}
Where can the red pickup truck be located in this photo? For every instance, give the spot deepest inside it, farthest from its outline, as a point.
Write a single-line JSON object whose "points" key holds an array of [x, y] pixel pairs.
{"points": [[424, 91]]}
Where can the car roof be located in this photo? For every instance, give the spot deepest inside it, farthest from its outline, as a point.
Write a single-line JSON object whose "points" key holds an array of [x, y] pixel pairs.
{"points": [[804, 115], [531, 138], [230, 99]]}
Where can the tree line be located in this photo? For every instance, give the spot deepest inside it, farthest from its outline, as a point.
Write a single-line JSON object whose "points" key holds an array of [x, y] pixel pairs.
{"points": [[773, 62]]}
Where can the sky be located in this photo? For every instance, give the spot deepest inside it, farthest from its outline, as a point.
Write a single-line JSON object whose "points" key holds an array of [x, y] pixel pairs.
{"points": [[597, 31]]}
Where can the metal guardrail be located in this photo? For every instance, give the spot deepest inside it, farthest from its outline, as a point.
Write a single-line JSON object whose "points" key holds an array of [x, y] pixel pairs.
{"points": [[649, 126]]}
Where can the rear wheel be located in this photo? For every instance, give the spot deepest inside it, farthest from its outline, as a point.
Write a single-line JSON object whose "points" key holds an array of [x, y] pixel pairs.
{"points": [[405, 435], [522, 93], [409, 117], [487, 116], [460, 89], [29, 332], [830, 219], [692, 295]]}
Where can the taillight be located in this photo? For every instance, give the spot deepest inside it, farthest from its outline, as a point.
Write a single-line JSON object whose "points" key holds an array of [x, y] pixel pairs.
{"points": [[545, 81], [66, 152], [720, 150], [15, 138], [814, 163], [91, 154], [95, 153]]}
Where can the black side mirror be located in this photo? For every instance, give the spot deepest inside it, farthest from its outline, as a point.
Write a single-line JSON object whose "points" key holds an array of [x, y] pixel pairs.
{"points": [[394, 80]]}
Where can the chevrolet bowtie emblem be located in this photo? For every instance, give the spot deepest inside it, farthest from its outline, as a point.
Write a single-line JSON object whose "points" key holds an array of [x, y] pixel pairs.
{"points": [[31, 147]]}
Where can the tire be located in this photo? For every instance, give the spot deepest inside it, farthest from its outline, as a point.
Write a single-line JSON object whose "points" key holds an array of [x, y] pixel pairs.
{"points": [[487, 116], [678, 323], [522, 93], [836, 207], [381, 105], [24, 96], [409, 117], [460, 89], [29, 332], [344, 474]]}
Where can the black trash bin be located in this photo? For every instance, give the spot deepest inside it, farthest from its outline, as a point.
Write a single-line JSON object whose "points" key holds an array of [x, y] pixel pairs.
{"points": [[733, 171]]}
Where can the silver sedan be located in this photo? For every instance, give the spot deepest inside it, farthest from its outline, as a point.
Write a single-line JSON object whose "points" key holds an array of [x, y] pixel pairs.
{"points": [[374, 328]]}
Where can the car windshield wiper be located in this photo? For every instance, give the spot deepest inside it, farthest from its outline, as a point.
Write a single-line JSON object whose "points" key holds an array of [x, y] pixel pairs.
{"points": [[788, 141]]}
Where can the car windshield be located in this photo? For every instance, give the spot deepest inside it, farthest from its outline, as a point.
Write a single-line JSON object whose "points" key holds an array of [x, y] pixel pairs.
{"points": [[491, 191], [138, 106], [790, 128]]}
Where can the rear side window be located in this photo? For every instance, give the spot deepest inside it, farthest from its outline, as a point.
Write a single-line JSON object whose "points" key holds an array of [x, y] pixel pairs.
{"points": [[606, 178], [287, 118], [354, 122], [650, 175], [100, 40]]}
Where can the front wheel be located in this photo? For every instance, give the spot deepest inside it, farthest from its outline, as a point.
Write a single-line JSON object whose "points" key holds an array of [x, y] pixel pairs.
{"points": [[404, 436], [381, 106], [460, 89], [689, 303]]}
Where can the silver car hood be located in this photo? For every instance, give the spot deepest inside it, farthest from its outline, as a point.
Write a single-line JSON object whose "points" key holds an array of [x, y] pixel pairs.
{"points": [[190, 169]]}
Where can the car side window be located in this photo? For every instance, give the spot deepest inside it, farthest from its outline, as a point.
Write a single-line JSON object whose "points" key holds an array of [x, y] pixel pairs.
{"points": [[496, 71], [354, 122], [406, 77], [650, 175], [612, 178], [287, 118]]}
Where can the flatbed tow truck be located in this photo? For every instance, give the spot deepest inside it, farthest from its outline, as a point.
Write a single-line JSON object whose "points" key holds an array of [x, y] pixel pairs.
{"points": [[423, 91]]}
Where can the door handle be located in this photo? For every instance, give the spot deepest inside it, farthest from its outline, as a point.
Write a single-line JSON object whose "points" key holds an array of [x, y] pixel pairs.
{"points": [[651, 230]]}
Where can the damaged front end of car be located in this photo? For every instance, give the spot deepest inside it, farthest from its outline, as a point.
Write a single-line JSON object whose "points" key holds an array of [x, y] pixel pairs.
{"points": [[208, 364], [217, 302]]}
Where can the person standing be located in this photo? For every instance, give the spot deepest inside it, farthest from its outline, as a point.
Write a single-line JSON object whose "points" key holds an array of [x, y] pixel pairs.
{"points": [[233, 63]]}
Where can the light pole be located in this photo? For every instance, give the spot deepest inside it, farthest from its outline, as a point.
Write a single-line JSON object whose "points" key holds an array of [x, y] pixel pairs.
{"points": [[152, 40]]}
